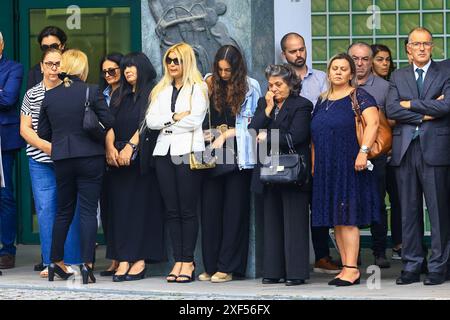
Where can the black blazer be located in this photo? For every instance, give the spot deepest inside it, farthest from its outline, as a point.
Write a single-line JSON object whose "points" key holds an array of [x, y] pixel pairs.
{"points": [[294, 118], [61, 121], [435, 134]]}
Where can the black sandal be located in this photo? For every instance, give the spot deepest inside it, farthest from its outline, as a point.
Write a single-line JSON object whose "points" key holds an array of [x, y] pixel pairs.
{"points": [[174, 278], [188, 278]]}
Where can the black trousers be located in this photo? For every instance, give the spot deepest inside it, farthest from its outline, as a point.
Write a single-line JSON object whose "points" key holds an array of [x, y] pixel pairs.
{"points": [[225, 222], [379, 230], [77, 178], [104, 209], [396, 214], [180, 188], [286, 233], [415, 177]]}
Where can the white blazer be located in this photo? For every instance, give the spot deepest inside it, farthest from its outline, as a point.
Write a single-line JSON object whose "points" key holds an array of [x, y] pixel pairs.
{"points": [[177, 135]]}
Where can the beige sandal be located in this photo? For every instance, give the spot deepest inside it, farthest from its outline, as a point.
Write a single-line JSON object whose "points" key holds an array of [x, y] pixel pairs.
{"points": [[44, 273]]}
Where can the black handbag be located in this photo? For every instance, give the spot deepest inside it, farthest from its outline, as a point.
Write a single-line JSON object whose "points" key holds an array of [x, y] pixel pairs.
{"points": [[285, 168], [94, 128], [223, 165]]}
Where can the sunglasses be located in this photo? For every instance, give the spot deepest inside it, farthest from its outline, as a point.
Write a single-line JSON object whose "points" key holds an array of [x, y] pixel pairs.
{"points": [[175, 61], [112, 72], [45, 47]]}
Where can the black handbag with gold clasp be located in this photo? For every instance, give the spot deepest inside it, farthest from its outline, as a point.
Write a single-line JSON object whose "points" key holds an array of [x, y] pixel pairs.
{"points": [[285, 168]]}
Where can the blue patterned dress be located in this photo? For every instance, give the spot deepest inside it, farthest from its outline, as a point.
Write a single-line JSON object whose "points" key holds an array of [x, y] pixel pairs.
{"points": [[341, 195]]}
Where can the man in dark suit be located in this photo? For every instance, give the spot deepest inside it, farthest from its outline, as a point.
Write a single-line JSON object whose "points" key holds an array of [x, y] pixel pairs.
{"points": [[419, 102], [11, 75], [446, 65]]}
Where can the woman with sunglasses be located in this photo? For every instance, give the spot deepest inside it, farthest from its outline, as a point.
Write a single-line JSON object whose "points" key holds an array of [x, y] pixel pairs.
{"points": [[109, 83], [50, 37], [42, 171], [177, 109], [135, 221], [110, 75]]}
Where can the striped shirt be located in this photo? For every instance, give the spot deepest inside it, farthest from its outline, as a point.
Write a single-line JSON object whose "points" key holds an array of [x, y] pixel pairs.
{"points": [[31, 106]]}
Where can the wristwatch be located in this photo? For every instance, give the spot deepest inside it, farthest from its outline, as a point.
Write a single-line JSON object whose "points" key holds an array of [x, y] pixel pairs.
{"points": [[133, 146], [364, 149]]}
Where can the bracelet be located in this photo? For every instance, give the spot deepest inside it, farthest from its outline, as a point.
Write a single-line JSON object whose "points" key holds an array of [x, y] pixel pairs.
{"points": [[364, 149]]}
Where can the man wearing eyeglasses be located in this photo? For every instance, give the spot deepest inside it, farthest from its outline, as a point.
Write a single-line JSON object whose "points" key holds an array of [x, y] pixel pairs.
{"points": [[419, 102], [11, 75]]}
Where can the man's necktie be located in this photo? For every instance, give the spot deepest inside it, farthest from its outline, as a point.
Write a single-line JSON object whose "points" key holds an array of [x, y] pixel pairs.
{"points": [[420, 89], [420, 81]]}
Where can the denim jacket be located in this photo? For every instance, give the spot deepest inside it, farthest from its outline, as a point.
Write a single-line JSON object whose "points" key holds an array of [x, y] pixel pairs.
{"points": [[246, 144], [245, 141]]}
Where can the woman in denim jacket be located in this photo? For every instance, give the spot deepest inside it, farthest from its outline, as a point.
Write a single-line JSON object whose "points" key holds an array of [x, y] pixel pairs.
{"points": [[226, 190]]}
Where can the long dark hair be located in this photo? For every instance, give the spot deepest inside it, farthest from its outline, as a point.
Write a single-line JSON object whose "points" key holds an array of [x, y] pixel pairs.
{"points": [[114, 57], [229, 93], [382, 48], [146, 75]]}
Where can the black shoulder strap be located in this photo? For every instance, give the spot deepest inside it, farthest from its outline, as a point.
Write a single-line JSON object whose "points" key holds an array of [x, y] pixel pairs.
{"points": [[87, 103]]}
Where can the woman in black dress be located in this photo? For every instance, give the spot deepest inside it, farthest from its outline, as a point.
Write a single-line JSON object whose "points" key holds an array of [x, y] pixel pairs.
{"points": [[135, 225]]}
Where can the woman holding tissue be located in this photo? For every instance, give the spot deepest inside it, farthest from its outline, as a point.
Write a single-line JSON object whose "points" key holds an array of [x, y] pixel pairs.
{"points": [[345, 194]]}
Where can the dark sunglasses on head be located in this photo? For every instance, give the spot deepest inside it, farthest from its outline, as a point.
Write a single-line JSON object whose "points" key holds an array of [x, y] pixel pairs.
{"points": [[175, 61], [111, 71], [45, 47]]}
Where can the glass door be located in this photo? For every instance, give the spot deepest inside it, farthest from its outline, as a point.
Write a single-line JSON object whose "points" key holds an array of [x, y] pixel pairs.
{"points": [[97, 27]]}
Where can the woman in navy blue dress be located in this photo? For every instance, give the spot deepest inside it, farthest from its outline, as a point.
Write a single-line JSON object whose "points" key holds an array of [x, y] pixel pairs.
{"points": [[345, 193]]}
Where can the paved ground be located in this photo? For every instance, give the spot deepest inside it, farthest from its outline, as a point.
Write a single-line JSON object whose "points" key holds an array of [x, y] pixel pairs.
{"points": [[22, 283]]}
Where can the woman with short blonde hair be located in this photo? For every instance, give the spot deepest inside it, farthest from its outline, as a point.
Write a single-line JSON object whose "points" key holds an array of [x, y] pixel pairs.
{"points": [[177, 109], [79, 160], [74, 62]]}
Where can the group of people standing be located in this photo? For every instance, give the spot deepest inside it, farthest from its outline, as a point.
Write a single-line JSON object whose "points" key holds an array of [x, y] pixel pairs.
{"points": [[143, 177]]}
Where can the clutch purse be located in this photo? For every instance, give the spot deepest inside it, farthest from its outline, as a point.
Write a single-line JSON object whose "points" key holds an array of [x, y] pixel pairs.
{"points": [[202, 159]]}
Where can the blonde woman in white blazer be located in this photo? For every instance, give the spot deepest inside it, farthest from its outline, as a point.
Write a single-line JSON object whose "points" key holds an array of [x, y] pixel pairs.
{"points": [[178, 107]]}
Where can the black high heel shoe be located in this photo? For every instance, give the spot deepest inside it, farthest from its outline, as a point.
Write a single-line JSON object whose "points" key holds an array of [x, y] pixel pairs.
{"points": [[121, 277], [188, 278], [134, 277], [345, 283], [87, 273], [53, 269]]}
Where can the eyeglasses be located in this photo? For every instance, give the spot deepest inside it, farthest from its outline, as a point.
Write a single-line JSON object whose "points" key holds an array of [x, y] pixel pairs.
{"points": [[111, 72], [175, 61], [417, 45], [50, 64], [45, 47]]}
